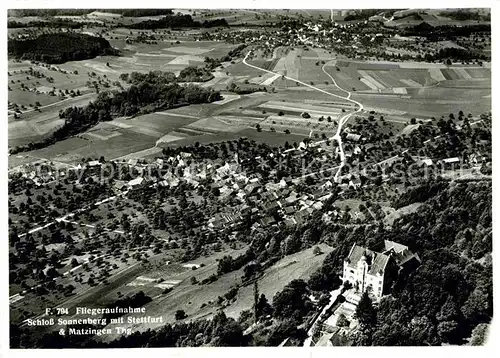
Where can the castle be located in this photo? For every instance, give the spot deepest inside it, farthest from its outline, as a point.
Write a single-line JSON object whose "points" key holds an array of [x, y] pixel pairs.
{"points": [[375, 271]]}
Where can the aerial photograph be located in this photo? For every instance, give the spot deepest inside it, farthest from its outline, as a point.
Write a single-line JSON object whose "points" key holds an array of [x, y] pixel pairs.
{"points": [[249, 177]]}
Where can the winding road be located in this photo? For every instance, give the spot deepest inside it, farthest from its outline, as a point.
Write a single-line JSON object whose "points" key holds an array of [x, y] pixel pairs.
{"points": [[341, 121]]}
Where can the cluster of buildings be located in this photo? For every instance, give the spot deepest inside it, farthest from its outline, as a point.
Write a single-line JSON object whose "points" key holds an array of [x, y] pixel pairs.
{"points": [[373, 271]]}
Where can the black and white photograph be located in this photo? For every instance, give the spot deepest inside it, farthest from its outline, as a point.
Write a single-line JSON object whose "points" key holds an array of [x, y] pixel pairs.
{"points": [[261, 177]]}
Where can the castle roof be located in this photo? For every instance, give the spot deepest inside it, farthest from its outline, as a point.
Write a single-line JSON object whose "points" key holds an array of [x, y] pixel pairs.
{"points": [[377, 262]]}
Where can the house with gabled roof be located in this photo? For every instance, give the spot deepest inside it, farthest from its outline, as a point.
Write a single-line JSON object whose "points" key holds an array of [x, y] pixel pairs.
{"points": [[366, 271], [375, 271]]}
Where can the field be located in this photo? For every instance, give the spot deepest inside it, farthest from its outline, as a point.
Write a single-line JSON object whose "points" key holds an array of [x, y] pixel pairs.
{"points": [[185, 295], [199, 301], [296, 266], [391, 77], [26, 91]]}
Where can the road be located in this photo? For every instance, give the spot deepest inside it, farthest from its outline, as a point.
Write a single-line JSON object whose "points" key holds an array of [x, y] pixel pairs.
{"points": [[333, 298], [65, 217], [341, 121]]}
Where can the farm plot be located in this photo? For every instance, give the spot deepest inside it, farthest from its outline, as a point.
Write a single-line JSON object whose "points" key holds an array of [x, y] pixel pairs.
{"points": [[289, 65], [311, 71], [479, 72], [297, 266], [240, 121], [187, 296], [227, 98], [436, 74], [473, 83], [215, 125], [423, 102], [312, 109], [347, 78], [371, 82], [239, 69], [30, 97], [369, 65], [297, 125]]}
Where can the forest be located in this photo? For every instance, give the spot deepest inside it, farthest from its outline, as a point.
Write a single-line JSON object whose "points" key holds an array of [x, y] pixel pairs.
{"points": [[54, 23], [445, 32], [81, 12], [176, 21], [60, 47]]}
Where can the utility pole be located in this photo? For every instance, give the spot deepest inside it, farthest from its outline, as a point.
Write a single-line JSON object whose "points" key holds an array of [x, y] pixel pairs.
{"points": [[256, 300]]}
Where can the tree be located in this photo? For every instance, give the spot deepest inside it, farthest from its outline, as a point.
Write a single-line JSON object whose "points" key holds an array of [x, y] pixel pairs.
{"points": [[479, 335], [285, 329], [263, 308], [226, 331], [446, 331], [292, 301], [342, 321], [448, 310], [476, 308], [317, 250], [180, 314], [365, 312]]}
